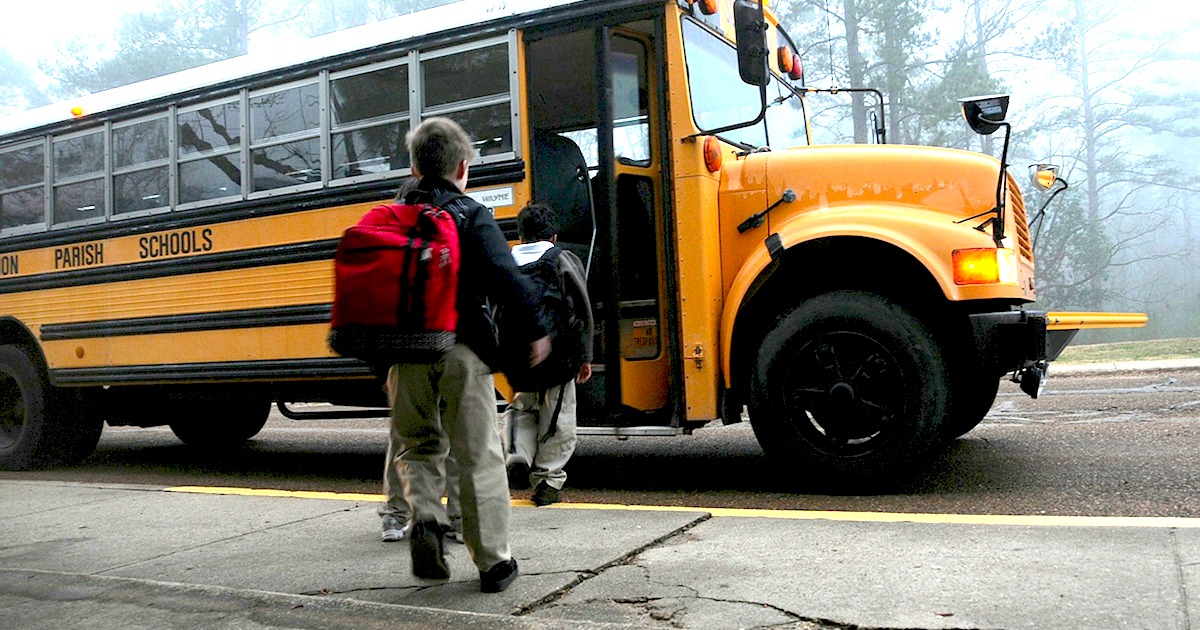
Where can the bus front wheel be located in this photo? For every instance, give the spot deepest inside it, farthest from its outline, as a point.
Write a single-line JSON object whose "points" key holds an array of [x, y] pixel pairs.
{"points": [[224, 425], [848, 392], [40, 425], [972, 399]]}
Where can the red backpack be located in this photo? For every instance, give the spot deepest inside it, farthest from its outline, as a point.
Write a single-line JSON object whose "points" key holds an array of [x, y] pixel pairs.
{"points": [[396, 285]]}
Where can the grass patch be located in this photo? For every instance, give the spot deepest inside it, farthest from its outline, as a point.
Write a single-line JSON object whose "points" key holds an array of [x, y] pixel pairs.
{"points": [[1157, 349]]}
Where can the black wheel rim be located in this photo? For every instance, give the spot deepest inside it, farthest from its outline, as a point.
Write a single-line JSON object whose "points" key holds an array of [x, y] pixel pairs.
{"points": [[12, 412], [843, 391]]}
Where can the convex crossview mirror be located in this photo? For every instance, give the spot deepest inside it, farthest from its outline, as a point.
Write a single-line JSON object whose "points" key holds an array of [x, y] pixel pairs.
{"points": [[1044, 176], [985, 114]]}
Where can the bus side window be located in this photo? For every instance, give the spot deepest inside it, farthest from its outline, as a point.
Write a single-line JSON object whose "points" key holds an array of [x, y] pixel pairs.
{"points": [[210, 164], [140, 156], [22, 187], [78, 164]]}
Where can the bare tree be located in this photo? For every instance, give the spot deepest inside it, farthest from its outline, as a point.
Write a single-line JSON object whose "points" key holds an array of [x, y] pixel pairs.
{"points": [[18, 91], [175, 36], [1130, 193]]}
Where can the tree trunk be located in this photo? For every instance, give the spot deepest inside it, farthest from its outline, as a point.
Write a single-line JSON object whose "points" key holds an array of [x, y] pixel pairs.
{"points": [[981, 52], [1090, 139], [856, 69]]}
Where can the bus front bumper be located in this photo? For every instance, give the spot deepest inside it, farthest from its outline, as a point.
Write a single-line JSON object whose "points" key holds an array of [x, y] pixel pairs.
{"points": [[1025, 342]]}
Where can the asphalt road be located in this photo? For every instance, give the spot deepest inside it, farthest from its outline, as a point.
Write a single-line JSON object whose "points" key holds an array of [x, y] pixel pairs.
{"points": [[1125, 444]]}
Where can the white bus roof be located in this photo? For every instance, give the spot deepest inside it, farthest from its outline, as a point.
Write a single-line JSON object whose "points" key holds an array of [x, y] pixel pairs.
{"points": [[446, 17]]}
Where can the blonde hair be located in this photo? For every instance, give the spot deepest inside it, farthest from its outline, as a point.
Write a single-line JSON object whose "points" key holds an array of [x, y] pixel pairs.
{"points": [[437, 146]]}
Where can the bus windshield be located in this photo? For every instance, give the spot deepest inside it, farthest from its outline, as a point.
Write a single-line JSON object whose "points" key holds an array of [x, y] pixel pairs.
{"points": [[720, 98]]}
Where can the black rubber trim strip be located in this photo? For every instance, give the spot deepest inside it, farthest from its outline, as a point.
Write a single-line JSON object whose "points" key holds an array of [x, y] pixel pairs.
{"points": [[283, 370], [217, 320], [224, 261], [509, 227], [774, 246]]}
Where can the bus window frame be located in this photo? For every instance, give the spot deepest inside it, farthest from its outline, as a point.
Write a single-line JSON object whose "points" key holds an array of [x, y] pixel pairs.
{"points": [[177, 161], [320, 80], [45, 184], [417, 102], [169, 162], [105, 169], [410, 60], [241, 151], [773, 79]]}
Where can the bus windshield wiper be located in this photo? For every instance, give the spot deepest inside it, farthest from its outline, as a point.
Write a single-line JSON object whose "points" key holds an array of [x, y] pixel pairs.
{"points": [[783, 99], [745, 146]]}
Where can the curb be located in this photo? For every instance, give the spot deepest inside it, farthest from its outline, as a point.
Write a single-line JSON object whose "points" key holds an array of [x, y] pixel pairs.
{"points": [[1124, 366]]}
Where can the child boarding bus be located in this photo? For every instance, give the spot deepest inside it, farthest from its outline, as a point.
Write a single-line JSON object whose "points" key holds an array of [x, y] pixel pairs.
{"points": [[166, 247]]}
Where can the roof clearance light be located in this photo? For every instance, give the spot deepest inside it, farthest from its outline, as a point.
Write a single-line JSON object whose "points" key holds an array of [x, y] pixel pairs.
{"points": [[712, 154], [786, 59], [77, 111], [707, 7], [984, 266]]}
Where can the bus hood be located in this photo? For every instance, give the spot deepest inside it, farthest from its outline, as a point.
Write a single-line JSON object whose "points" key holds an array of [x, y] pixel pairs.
{"points": [[959, 183]]}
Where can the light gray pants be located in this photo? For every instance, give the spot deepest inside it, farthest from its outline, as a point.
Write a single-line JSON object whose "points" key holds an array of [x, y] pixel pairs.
{"points": [[393, 489], [463, 381], [527, 423]]}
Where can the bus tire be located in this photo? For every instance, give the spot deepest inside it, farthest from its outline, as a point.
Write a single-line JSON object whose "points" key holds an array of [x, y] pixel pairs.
{"points": [[224, 425], [971, 400], [39, 424], [848, 391]]}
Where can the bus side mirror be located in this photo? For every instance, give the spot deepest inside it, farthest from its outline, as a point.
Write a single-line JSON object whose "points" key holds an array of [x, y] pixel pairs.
{"points": [[985, 114], [1044, 176], [750, 28]]}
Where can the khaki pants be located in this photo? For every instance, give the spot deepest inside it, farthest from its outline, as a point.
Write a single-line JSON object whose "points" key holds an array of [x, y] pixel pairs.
{"points": [[464, 383], [393, 489], [527, 425]]}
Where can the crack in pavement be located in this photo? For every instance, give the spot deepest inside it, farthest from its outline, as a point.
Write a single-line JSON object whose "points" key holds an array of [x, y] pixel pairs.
{"points": [[1181, 579], [672, 615], [588, 574]]}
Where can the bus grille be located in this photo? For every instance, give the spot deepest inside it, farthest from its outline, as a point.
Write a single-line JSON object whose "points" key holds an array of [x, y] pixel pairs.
{"points": [[1016, 204]]}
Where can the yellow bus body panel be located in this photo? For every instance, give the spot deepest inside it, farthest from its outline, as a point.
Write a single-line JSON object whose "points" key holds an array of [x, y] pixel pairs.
{"points": [[698, 253], [698, 267], [909, 197]]}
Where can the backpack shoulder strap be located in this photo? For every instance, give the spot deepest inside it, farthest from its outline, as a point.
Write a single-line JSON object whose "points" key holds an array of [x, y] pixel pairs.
{"points": [[443, 200], [551, 254]]}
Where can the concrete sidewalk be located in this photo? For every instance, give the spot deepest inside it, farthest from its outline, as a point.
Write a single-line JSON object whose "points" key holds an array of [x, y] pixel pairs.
{"points": [[1123, 366], [83, 556]]}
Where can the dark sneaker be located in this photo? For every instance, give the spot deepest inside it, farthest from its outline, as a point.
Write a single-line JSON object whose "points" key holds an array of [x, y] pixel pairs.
{"points": [[518, 472], [499, 577], [544, 494], [394, 529], [428, 551]]}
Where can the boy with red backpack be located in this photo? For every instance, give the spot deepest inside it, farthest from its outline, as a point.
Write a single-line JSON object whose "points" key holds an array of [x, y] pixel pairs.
{"points": [[441, 379], [540, 422]]}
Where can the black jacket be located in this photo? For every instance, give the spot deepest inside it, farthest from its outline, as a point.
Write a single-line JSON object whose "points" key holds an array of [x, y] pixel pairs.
{"points": [[488, 276]]}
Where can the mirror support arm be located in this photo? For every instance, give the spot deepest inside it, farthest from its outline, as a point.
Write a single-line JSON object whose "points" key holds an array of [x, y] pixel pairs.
{"points": [[998, 220]]}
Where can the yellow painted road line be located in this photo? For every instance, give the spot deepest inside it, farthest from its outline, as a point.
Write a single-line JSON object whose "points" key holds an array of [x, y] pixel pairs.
{"points": [[292, 494], [1025, 520]]}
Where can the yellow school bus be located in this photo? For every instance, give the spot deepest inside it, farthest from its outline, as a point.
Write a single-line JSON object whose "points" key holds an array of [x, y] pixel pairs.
{"points": [[166, 247]]}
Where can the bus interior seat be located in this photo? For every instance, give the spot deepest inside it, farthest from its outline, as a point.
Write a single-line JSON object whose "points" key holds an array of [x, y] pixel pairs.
{"points": [[560, 179]]}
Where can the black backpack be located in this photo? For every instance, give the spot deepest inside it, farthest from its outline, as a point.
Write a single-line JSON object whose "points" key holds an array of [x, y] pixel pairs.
{"points": [[559, 315]]}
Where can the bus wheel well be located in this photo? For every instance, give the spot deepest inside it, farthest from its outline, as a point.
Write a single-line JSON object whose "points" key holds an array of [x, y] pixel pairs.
{"points": [[13, 332], [817, 267]]}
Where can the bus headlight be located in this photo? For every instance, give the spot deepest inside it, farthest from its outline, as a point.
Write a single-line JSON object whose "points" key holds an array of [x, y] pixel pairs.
{"points": [[985, 266]]}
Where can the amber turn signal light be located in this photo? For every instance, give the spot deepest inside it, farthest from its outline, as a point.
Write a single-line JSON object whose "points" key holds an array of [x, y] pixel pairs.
{"points": [[712, 154]]}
